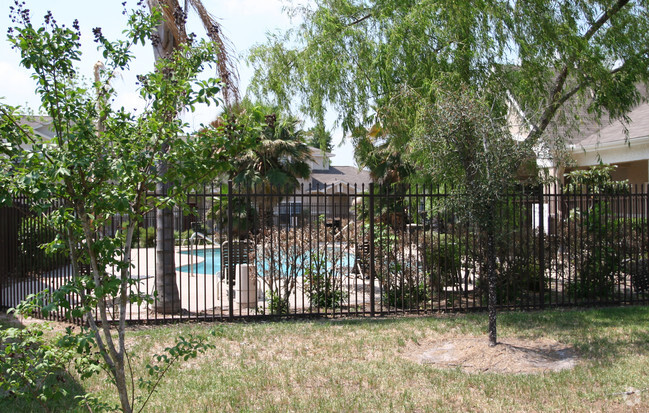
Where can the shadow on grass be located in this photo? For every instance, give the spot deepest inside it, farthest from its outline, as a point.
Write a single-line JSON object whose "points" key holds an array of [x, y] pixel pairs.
{"points": [[13, 403], [596, 333], [599, 333]]}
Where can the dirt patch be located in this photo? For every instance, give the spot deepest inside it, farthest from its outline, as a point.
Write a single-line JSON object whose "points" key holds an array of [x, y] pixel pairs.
{"points": [[511, 355]]}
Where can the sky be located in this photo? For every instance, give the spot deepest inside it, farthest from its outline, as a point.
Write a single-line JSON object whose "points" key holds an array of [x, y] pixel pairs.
{"points": [[244, 22]]}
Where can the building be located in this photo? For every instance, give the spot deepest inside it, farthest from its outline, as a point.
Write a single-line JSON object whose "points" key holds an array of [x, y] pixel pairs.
{"points": [[329, 191]]}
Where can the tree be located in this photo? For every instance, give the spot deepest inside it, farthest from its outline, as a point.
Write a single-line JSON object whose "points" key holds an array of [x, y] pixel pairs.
{"points": [[273, 157], [99, 165], [460, 141], [360, 56], [319, 137], [170, 36]]}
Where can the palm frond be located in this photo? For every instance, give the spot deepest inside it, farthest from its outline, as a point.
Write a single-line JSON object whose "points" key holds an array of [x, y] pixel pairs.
{"points": [[226, 65]]}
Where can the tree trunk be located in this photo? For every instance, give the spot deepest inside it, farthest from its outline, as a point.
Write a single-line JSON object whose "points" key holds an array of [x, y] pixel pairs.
{"points": [[168, 299], [491, 279], [122, 386]]}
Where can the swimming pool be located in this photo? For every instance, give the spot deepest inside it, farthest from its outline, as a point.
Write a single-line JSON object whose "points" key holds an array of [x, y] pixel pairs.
{"points": [[211, 262]]}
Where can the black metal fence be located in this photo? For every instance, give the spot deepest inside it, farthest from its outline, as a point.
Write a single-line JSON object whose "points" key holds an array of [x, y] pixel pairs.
{"points": [[342, 250]]}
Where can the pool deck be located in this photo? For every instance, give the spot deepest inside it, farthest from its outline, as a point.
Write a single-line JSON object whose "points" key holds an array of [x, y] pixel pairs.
{"points": [[200, 294]]}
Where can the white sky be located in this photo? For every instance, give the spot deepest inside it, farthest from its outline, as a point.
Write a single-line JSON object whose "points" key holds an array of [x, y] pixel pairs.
{"points": [[244, 22]]}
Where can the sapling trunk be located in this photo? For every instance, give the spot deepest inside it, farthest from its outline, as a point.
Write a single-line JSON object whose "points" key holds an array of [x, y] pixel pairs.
{"points": [[491, 281]]}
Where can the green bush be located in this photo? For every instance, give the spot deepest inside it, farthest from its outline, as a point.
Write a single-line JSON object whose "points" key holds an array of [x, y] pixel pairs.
{"points": [[595, 251], [144, 237], [597, 270], [444, 259], [33, 235], [277, 305], [34, 368], [181, 237], [517, 279], [406, 295], [322, 284]]}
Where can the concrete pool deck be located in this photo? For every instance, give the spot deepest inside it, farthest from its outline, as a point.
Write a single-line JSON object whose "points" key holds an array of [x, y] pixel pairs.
{"points": [[200, 294]]}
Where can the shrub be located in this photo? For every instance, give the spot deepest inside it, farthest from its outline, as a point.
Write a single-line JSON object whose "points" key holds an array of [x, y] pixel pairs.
{"points": [[144, 237], [444, 260], [181, 237], [322, 283], [406, 295], [594, 250], [34, 368], [33, 235], [277, 305], [517, 279]]}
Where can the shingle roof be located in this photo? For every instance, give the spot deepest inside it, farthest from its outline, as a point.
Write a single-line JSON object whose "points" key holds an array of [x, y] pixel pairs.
{"points": [[340, 175], [613, 132]]}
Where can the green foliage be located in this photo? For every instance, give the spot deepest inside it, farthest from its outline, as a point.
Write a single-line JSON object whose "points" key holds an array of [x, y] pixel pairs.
{"points": [[518, 279], [596, 180], [185, 348], [444, 259], [597, 249], [271, 156], [275, 153], [278, 303], [365, 58], [595, 252], [182, 237], [319, 137], [30, 367], [34, 235], [409, 294], [401, 278], [323, 281], [460, 141], [102, 162], [144, 237], [35, 365], [245, 219]]}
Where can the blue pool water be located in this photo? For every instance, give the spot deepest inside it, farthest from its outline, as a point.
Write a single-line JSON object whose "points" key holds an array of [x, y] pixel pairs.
{"points": [[211, 262]]}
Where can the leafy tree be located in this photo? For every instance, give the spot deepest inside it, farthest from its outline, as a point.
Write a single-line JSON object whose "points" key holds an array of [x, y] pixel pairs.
{"points": [[99, 164], [460, 141], [554, 57], [319, 137]]}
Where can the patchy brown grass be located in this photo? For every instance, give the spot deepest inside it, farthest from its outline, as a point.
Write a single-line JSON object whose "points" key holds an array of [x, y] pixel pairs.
{"points": [[400, 364]]}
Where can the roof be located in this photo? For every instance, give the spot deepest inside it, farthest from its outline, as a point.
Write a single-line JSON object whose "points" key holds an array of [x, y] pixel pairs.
{"points": [[340, 175], [614, 132], [42, 125]]}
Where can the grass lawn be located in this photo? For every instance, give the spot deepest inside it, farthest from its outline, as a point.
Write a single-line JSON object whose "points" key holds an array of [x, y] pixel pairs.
{"points": [[360, 365]]}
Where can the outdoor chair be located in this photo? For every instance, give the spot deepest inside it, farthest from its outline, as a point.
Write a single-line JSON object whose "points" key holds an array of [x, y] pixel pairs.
{"points": [[239, 252], [362, 255]]}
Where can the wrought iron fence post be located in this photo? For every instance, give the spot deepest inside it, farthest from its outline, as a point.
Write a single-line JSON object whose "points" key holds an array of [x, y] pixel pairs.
{"points": [[371, 219], [541, 248], [229, 272]]}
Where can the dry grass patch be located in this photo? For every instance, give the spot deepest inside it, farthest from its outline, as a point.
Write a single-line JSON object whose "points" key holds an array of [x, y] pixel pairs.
{"points": [[511, 355], [386, 365]]}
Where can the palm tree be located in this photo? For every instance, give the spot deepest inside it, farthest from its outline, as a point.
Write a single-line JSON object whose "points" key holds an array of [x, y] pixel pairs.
{"points": [[171, 34], [388, 168], [276, 157]]}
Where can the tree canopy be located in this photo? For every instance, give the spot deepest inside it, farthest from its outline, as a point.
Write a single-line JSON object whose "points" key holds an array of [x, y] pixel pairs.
{"points": [[359, 56]]}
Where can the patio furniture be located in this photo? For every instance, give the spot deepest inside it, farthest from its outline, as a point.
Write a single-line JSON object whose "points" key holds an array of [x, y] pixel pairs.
{"points": [[244, 275]]}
